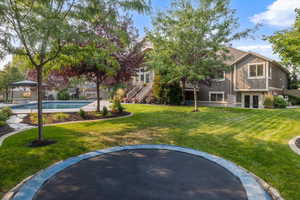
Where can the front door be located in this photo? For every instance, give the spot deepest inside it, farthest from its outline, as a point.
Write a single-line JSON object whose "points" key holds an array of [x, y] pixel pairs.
{"points": [[247, 101], [255, 101]]}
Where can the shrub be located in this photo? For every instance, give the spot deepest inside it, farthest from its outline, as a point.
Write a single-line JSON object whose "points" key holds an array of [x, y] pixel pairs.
{"points": [[82, 114], [82, 98], [60, 116], [34, 118], [7, 111], [116, 106], [294, 100], [269, 101], [166, 93], [3, 116], [120, 94], [104, 111], [3, 124], [280, 102], [174, 94], [63, 95], [98, 115]]}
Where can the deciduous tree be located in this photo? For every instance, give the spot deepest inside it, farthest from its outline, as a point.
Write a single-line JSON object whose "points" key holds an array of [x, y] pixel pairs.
{"points": [[9, 75], [287, 43], [190, 40], [46, 30]]}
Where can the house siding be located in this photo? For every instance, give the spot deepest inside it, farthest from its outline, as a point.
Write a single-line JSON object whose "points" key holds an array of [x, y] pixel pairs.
{"points": [[216, 86], [242, 80], [279, 78]]}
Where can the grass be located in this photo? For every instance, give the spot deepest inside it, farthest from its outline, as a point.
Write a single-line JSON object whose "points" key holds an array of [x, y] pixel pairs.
{"points": [[255, 139]]}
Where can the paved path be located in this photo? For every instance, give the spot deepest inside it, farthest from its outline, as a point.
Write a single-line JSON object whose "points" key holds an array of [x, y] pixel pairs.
{"points": [[15, 122], [144, 174]]}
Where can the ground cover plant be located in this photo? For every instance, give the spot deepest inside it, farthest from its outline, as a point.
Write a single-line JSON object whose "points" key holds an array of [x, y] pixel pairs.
{"points": [[5, 113]]}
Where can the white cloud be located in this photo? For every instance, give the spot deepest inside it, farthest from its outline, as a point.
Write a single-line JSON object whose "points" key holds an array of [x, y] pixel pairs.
{"points": [[263, 49], [4, 61], [280, 13]]}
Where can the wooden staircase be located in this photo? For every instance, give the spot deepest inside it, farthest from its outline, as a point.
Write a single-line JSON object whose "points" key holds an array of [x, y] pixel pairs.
{"points": [[134, 91], [143, 94], [139, 93]]}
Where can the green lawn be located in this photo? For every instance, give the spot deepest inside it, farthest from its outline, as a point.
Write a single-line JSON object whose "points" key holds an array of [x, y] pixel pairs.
{"points": [[254, 139]]}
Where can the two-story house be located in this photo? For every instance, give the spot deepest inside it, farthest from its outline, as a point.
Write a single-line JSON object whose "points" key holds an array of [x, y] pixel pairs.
{"points": [[249, 78]]}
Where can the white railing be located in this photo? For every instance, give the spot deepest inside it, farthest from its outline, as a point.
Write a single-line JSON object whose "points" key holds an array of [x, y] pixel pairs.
{"points": [[132, 93], [143, 93]]}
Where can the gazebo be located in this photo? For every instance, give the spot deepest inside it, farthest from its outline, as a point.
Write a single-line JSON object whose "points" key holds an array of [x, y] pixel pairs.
{"points": [[24, 95]]}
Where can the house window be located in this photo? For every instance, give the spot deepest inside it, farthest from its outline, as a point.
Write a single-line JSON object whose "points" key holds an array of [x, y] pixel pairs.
{"points": [[219, 76], [270, 72], [147, 78], [256, 70], [216, 96], [142, 77]]}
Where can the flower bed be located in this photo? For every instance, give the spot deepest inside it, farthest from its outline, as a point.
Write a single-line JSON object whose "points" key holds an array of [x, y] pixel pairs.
{"points": [[4, 129], [53, 118]]}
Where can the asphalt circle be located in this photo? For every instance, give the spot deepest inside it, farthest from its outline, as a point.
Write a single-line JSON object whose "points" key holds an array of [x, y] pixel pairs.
{"points": [[148, 174]]}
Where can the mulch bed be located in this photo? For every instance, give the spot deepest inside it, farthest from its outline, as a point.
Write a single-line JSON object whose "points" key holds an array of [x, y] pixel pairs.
{"points": [[75, 117], [5, 130], [38, 143], [298, 143]]}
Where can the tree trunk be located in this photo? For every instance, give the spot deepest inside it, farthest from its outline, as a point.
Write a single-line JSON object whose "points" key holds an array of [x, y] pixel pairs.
{"points": [[98, 93], [6, 94], [195, 100], [40, 102], [12, 95], [183, 92]]}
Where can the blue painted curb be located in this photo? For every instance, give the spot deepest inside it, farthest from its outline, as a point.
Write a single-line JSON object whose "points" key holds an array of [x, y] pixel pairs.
{"points": [[31, 187]]}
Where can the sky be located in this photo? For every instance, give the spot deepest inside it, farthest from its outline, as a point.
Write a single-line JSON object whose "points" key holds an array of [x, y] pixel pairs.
{"points": [[273, 15]]}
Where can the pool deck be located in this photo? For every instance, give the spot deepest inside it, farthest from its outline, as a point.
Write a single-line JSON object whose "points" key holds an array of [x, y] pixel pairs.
{"points": [[89, 107]]}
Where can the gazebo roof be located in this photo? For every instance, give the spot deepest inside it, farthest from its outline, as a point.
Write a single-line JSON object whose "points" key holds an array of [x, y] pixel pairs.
{"points": [[25, 83]]}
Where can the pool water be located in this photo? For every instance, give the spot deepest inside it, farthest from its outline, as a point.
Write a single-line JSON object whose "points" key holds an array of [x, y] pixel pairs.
{"points": [[53, 105]]}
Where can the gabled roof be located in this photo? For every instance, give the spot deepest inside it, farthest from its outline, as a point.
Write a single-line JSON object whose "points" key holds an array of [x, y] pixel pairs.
{"points": [[234, 54], [238, 55]]}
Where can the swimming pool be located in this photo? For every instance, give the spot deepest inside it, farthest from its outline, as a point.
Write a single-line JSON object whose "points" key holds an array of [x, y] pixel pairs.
{"points": [[53, 105]]}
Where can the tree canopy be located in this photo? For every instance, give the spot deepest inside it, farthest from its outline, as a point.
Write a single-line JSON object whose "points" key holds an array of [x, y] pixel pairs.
{"points": [[49, 31], [190, 40], [8, 75], [287, 42]]}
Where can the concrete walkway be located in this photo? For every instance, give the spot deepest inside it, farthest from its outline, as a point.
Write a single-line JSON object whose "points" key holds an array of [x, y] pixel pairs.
{"points": [[15, 122]]}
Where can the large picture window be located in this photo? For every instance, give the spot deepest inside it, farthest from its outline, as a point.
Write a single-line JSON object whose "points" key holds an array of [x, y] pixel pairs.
{"points": [[256, 70], [216, 96]]}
